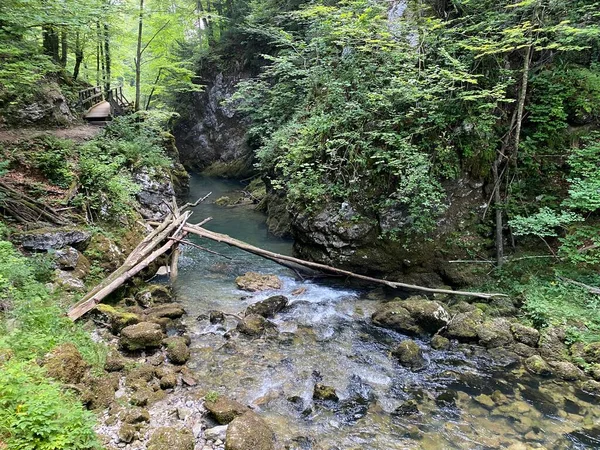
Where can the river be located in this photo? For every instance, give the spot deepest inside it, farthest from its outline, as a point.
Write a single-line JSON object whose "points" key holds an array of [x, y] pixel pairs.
{"points": [[325, 335]]}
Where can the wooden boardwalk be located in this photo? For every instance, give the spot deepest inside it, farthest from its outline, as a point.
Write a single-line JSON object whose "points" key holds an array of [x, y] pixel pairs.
{"points": [[99, 112], [103, 106]]}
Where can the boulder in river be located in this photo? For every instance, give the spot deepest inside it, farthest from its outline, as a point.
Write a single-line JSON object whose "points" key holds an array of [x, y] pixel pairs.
{"points": [[552, 344], [154, 294], [268, 307], [495, 333], [566, 371], [324, 392], [141, 335], [415, 315], [255, 325], [440, 342], [249, 432], [254, 282], [167, 310], [409, 354], [224, 409], [171, 438], [524, 334]]}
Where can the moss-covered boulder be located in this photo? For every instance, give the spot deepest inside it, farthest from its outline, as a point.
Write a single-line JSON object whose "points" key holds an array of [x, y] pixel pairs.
{"points": [[101, 390], [524, 334], [126, 433], [178, 351], [430, 315], [168, 310], [439, 342], [566, 371], [171, 438], [409, 354], [249, 432], [552, 344], [268, 307], [104, 252], [463, 326], [224, 409], [66, 364], [115, 319], [536, 365], [495, 333], [254, 282], [140, 336]]}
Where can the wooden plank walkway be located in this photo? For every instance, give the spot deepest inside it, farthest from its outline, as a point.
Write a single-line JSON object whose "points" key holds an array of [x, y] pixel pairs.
{"points": [[99, 112]]}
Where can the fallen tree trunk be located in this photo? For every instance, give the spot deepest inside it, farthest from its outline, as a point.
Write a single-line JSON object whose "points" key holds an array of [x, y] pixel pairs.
{"points": [[202, 232], [140, 258]]}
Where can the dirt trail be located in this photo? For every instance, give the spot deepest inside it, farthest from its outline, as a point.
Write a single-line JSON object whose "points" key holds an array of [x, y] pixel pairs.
{"points": [[77, 133]]}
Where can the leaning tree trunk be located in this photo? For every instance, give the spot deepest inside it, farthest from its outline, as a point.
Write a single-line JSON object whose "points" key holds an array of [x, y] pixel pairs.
{"points": [[107, 58], [64, 46]]}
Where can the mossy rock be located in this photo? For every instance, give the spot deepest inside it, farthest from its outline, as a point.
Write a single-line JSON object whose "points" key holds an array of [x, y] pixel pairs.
{"points": [[172, 439], [154, 294], [142, 335], [104, 252], [440, 342], [66, 364], [178, 351], [409, 354], [52, 238], [255, 282], [464, 326], [224, 409], [249, 432], [536, 365], [116, 319]]}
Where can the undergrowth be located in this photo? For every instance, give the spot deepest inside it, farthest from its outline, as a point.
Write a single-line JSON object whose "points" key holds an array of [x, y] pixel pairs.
{"points": [[34, 412]]}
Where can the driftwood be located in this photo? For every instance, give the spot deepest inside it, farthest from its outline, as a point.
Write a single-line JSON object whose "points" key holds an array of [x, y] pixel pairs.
{"points": [[25, 209], [202, 232]]}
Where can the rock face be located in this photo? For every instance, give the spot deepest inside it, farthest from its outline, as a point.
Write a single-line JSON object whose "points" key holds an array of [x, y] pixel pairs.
{"points": [[345, 235], [249, 432], [172, 439], [155, 188], [268, 307], [211, 132], [50, 108], [141, 335], [53, 238], [254, 282], [415, 315]]}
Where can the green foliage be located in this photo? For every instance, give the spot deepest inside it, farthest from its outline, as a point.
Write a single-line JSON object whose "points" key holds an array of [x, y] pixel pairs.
{"points": [[34, 412], [52, 157], [36, 415]]}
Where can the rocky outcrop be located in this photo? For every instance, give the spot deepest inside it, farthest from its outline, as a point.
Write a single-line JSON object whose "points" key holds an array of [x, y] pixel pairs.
{"points": [[49, 107], [44, 239], [210, 131]]}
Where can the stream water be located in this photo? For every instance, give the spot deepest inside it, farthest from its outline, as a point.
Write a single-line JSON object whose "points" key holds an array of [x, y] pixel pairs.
{"points": [[326, 336]]}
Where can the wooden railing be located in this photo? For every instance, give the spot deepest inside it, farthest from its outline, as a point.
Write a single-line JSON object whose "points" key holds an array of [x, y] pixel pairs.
{"points": [[91, 96], [119, 104]]}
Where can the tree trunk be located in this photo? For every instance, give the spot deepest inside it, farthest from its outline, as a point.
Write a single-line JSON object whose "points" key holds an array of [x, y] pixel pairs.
{"points": [[63, 47], [107, 58], [138, 58], [78, 56], [50, 43], [521, 101], [153, 88]]}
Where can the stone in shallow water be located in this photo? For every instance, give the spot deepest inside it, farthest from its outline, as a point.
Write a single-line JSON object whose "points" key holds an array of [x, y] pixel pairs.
{"points": [[268, 307], [415, 315], [178, 351], [409, 354], [408, 408], [324, 392], [536, 364], [440, 342], [255, 325], [254, 282]]}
